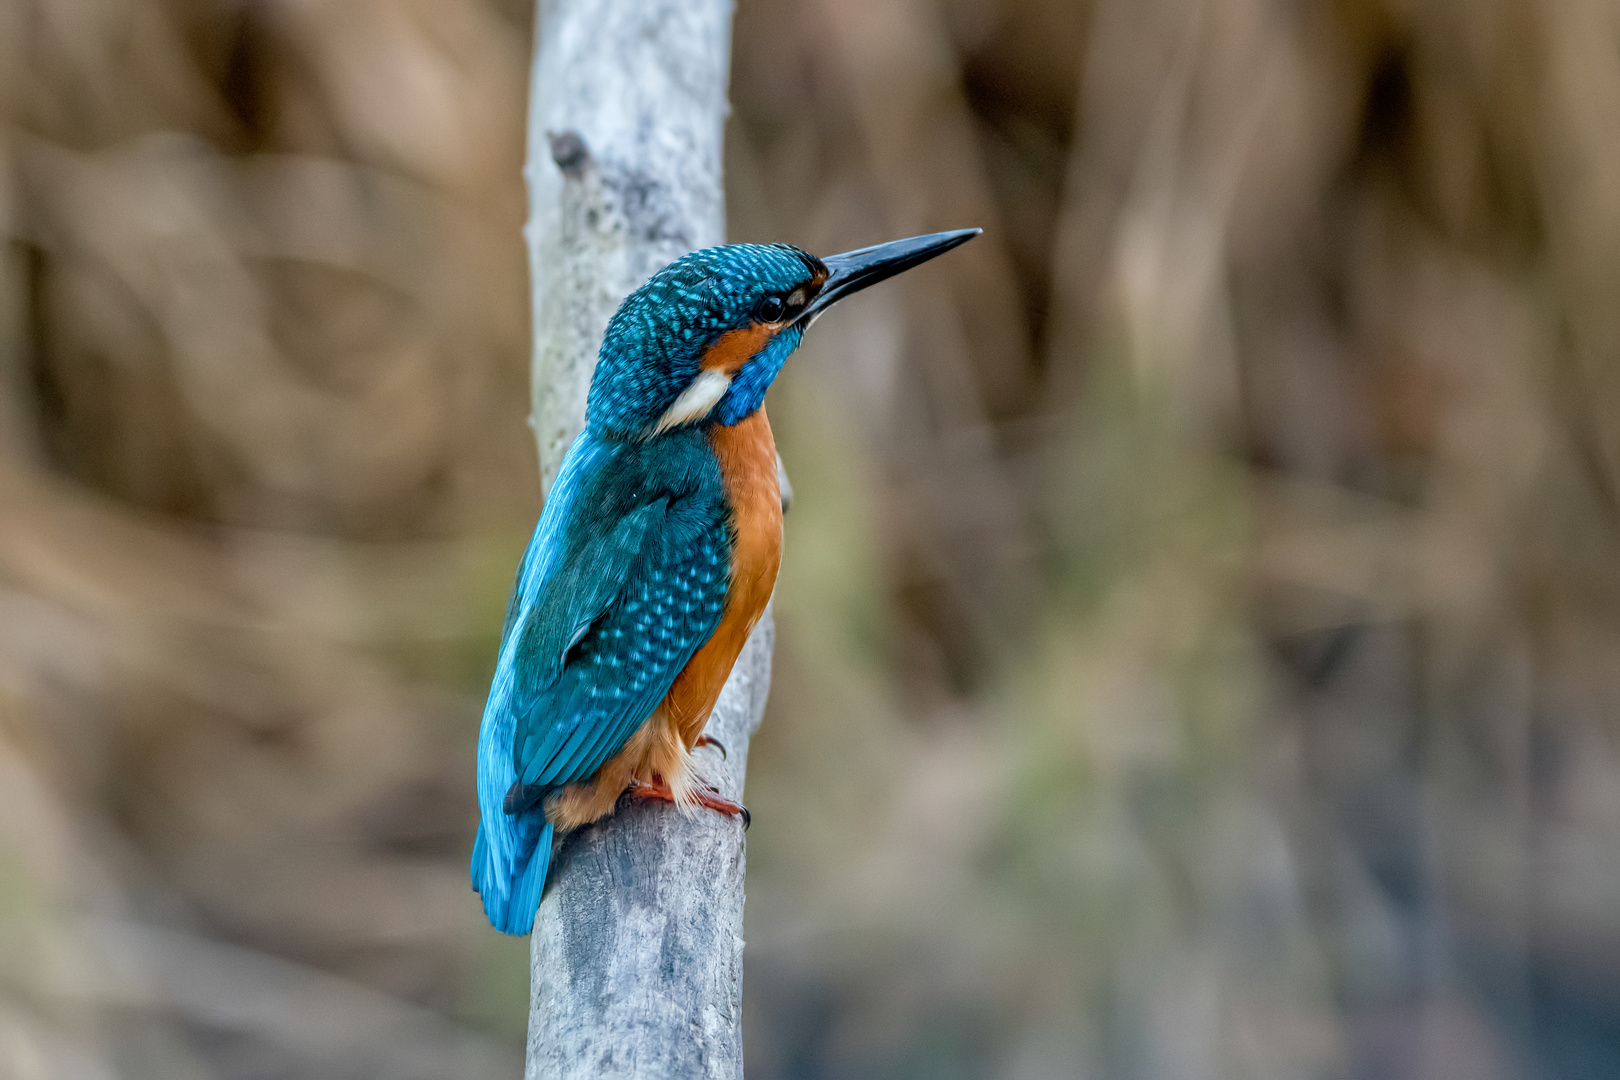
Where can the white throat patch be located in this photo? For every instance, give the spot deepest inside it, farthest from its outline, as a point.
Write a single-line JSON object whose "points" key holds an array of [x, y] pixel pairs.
{"points": [[696, 401]]}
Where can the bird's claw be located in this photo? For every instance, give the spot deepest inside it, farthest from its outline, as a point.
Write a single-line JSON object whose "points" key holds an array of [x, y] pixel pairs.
{"points": [[709, 740], [709, 796], [741, 811]]}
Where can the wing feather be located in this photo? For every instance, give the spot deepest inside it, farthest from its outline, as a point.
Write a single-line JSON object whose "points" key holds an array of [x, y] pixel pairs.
{"points": [[670, 601], [619, 588]]}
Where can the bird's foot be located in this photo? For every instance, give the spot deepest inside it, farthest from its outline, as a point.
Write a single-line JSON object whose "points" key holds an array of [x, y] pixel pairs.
{"points": [[709, 740], [705, 796]]}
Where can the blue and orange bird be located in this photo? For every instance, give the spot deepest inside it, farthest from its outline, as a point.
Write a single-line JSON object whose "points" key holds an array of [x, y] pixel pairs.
{"points": [[654, 556]]}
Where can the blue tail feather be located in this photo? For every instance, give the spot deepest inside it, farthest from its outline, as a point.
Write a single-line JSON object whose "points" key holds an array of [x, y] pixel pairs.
{"points": [[511, 887]]}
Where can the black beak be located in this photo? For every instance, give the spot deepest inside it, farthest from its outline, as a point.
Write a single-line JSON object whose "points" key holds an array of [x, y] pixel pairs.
{"points": [[855, 270]]}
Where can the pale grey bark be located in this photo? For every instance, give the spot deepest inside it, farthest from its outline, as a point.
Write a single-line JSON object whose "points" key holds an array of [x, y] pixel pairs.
{"points": [[637, 957], [626, 113], [637, 952]]}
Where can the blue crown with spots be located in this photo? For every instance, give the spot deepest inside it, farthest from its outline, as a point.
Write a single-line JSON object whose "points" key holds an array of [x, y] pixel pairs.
{"points": [[654, 344]]}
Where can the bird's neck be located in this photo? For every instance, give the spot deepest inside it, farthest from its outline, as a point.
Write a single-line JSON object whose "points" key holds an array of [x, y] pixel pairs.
{"points": [[746, 452]]}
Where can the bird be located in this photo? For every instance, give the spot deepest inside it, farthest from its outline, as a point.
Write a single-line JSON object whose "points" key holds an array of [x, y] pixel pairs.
{"points": [[656, 551]]}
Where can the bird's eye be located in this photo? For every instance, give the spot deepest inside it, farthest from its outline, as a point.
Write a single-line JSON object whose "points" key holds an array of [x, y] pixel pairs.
{"points": [[770, 309]]}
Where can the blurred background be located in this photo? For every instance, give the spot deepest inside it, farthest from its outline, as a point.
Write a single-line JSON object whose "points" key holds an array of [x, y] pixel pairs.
{"points": [[1199, 648]]}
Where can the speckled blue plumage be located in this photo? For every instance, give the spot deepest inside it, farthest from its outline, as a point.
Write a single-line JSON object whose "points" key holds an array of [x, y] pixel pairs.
{"points": [[625, 578], [629, 568], [656, 339]]}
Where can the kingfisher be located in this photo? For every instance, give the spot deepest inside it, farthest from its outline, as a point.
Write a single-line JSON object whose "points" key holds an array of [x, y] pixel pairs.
{"points": [[654, 556]]}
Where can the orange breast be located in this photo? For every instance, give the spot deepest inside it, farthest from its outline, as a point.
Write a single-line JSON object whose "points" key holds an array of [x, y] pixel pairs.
{"points": [[747, 456]]}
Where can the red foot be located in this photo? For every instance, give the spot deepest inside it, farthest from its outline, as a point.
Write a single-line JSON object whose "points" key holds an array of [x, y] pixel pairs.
{"points": [[706, 796]]}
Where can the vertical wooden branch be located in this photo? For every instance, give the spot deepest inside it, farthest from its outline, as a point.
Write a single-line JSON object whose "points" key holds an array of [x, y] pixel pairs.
{"points": [[636, 956], [626, 112]]}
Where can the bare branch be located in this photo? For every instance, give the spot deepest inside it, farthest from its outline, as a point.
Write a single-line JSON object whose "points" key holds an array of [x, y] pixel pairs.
{"points": [[637, 951]]}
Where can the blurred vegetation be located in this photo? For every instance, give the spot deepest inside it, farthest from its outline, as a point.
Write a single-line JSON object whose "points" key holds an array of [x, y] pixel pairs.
{"points": [[1200, 624]]}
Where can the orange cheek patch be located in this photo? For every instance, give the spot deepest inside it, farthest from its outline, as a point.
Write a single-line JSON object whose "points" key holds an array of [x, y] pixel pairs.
{"points": [[732, 349]]}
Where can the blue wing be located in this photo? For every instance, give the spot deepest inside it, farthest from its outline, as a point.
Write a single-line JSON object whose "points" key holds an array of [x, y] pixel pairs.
{"points": [[624, 580]]}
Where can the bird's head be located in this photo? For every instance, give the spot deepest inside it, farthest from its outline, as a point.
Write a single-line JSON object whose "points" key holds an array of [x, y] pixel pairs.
{"points": [[704, 339]]}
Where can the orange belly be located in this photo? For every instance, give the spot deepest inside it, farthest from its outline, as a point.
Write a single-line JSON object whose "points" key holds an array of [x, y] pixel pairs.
{"points": [[747, 456]]}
